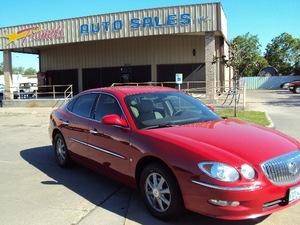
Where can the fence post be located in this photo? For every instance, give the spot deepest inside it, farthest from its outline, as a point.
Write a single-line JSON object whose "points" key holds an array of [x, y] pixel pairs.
{"points": [[53, 89], [19, 93]]}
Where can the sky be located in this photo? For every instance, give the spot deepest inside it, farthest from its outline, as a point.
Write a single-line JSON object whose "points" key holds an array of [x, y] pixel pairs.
{"points": [[265, 18]]}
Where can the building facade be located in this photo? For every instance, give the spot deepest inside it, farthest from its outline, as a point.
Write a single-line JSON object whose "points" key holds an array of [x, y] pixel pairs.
{"points": [[135, 46]]}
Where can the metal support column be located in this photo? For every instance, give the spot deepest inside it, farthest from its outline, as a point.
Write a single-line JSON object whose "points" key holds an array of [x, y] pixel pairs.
{"points": [[153, 72], [210, 68], [80, 84], [8, 79]]}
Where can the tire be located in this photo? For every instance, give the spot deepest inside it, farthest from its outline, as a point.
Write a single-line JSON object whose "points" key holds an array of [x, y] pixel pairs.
{"points": [[297, 90], [61, 151], [163, 201]]}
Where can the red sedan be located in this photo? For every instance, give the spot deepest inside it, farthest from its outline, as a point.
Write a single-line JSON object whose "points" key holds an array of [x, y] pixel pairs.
{"points": [[178, 152], [295, 87]]}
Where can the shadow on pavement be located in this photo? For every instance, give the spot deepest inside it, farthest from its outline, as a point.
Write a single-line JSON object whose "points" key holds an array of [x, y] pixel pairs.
{"points": [[88, 184]]}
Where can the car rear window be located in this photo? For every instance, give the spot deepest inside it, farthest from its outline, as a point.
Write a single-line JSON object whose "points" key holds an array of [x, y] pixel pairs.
{"points": [[83, 105]]}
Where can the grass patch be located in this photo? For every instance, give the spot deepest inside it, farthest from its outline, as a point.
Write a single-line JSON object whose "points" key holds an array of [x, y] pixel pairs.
{"points": [[249, 116]]}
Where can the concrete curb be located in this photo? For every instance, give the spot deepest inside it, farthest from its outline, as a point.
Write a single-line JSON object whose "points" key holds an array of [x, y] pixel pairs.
{"points": [[271, 125]]}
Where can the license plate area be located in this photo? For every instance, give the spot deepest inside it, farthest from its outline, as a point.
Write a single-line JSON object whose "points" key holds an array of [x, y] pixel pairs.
{"points": [[294, 194]]}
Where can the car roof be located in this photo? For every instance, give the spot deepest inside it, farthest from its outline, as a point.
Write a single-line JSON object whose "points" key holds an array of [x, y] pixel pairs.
{"points": [[131, 90]]}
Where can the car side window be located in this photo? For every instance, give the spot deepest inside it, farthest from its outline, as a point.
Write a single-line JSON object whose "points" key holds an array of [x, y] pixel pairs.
{"points": [[70, 104], [107, 105], [84, 104]]}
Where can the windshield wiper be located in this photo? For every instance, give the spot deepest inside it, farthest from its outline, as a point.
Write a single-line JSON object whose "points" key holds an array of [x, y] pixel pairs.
{"points": [[160, 126]]}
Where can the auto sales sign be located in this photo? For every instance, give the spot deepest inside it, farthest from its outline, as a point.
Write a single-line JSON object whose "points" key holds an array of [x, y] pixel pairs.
{"points": [[170, 20]]}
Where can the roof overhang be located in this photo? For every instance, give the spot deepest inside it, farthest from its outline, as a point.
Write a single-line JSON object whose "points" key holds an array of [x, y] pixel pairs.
{"points": [[187, 19]]}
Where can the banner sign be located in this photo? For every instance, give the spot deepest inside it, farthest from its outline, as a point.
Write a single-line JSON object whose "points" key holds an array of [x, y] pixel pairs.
{"points": [[185, 19], [34, 33]]}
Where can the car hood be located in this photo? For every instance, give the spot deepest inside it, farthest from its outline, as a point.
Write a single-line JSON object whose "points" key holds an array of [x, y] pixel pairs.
{"points": [[249, 142]]}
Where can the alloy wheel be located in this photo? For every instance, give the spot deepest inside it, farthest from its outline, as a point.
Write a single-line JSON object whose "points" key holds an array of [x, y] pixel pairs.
{"points": [[60, 150], [158, 192], [297, 90]]}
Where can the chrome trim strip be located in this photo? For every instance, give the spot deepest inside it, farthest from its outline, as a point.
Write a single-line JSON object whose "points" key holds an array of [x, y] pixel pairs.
{"points": [[98, 148], [245, 188]]}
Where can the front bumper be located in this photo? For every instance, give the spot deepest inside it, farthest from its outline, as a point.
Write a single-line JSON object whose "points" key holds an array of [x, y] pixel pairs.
{"points": [[291, 88], [255, 201]]}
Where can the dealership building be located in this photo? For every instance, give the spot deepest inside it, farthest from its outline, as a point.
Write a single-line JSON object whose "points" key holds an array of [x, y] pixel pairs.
{"points": [[134, 46]]}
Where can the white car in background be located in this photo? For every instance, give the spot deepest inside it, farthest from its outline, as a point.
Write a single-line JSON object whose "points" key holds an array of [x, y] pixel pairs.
{"points": [[25, 90], [1, 88]]}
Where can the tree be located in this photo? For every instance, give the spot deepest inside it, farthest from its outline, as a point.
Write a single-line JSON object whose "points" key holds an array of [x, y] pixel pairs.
{"points": [[18, 70], [30, 71], [247, 55], [245, 59], [283, 52], [261, 62], [297, 64], [1, 68], [297, 68]]}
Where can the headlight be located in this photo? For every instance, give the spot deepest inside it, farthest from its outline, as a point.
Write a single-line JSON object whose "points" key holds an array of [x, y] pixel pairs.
{"points": [[219, 171], [247, 171]]}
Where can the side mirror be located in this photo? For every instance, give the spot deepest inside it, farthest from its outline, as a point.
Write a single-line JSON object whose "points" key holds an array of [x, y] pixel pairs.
{"points": [[212, 108], [114, 119]]}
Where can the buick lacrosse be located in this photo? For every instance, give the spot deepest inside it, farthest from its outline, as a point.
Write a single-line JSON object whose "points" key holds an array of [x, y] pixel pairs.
{"points": [[178, 153]]}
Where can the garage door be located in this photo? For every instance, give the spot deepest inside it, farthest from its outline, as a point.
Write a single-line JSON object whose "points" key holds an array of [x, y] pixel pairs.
{"points": [[63, 77], [106, 76]]}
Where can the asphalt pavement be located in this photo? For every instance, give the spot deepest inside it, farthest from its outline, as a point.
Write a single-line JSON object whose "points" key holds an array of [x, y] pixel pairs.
{"points": [[35, 191], [282, 106]]}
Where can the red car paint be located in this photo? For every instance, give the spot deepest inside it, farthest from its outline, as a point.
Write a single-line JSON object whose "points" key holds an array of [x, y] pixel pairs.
{"points": [[181, 148]]}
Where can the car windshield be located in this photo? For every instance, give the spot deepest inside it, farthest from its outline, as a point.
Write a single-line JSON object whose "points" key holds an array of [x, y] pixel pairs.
{"points": [[164, 109], [25, 85]]}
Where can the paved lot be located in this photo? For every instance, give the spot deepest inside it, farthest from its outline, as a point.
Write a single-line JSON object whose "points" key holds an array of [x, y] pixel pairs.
{"points": [[35, 191], [282, 106]]}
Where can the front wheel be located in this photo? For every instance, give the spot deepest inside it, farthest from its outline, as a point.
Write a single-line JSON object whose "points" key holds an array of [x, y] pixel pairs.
{"points": [[61, 151], [297, 90], [160, 192]]}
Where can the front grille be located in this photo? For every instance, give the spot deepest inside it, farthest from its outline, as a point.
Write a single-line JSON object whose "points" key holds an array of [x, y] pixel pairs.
{"points": [[283, 170]]}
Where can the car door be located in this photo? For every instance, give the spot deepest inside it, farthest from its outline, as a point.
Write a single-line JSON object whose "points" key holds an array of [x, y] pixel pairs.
{"points": [[109, 144], [76, 125]]}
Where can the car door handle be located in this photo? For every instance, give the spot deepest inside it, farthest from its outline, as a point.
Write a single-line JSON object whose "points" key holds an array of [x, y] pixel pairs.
{"points": [[94, 131], [66, 123]]}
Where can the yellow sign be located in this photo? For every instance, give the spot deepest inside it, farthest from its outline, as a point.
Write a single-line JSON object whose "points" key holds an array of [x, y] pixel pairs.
{"points": [[21, 34], [34, 33]]}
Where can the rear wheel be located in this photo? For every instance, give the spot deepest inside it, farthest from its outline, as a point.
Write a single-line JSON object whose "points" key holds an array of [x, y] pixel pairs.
{"points": [[61, 151], [160, 192], [297, 90]]}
